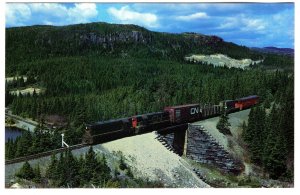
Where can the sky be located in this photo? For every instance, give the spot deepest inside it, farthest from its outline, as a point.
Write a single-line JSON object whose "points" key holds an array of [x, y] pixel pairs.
{"points": [[248, 24]]}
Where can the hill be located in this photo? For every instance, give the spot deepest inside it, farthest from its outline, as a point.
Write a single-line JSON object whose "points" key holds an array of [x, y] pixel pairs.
{"points": [[40, 42], [275, 50]]}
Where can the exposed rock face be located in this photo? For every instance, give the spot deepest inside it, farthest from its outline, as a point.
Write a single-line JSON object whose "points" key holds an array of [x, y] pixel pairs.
{"points": [[108, 40], [203, 148], [133, 36]]}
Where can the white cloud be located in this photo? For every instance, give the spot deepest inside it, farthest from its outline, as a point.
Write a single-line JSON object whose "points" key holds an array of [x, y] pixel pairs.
{"points": [[17, 13], [82, 12], [49, 13], [199, 15], [51, 9], [243, 23], [253, 24], [127, 16]]}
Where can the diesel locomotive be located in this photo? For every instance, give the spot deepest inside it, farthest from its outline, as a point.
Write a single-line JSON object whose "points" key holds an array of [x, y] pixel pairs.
{"points": [[173, 115]]}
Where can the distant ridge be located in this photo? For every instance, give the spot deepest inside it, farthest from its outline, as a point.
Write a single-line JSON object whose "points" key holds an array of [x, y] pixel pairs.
{"points": [[275, 50]]}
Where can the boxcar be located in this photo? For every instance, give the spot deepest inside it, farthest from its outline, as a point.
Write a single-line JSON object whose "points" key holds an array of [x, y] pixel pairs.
{"points": [[184, 113]]}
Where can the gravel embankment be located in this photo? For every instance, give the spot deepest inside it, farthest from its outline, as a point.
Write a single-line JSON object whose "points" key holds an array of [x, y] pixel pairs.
{"points": [[152, 160]]}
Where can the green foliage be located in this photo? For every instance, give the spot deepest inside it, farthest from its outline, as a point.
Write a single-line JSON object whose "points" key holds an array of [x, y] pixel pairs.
{"points": [[90, 170], [51, 171], [37, 174], [270, 138], [73, 172], [223, 125], [86, 81], [27, 44], [26, 172], [278, 61], [31, 143], [129, 86]]}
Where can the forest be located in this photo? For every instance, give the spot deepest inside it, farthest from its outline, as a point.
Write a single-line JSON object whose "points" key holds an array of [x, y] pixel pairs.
{"points": [[87, 81], [269, 135], [85, 171]]}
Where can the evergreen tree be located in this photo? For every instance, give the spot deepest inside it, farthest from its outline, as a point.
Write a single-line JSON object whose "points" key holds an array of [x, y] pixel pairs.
{"points": [[51, 171], [223, 125], [275, 147], [26, 172], [24, 144], [37, 174], [258, 133], [10, 149], [105, 170], [90, 163], [71, 171]]}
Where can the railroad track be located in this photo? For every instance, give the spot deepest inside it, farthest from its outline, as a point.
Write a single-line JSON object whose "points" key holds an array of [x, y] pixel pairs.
{"points": [[43, 154]]}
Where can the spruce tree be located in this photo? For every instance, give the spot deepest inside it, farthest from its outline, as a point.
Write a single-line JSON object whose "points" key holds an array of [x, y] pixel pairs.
{"points": [[51, 169], [37, 174], [257, 142], [71, 174], [223, 125], [26, 172], [90, 164], [275, 146]]}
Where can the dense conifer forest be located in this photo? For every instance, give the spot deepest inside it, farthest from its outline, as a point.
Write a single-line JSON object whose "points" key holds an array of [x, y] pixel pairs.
{"points": [[86, 79]]}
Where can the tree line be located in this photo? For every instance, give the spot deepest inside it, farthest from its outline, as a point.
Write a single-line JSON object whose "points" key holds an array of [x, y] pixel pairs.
{"points": [[111, 88], [32, 143], [87, 171], [269, 135]]}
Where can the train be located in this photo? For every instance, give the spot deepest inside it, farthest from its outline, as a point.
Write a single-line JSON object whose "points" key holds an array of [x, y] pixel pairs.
{"points": [[104, 131]]}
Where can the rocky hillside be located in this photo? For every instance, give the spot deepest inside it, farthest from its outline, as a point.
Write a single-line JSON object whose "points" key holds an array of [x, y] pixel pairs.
{"points": [[40, 42]]}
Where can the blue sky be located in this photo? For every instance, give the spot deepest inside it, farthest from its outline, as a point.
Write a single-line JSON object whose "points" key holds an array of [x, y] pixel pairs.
{"points": [[249, 24]]}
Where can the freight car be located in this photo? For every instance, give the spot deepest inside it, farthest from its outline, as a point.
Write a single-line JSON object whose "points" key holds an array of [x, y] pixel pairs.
{"points": [[183, 113], [246, 102], [171, 116]]}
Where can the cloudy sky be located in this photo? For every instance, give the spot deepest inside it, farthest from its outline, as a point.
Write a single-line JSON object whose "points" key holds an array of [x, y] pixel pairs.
{"points": [[249, 24]]}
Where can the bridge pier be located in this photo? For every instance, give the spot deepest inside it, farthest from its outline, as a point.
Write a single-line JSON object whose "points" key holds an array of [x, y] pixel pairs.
{"points": [[179, 141]]}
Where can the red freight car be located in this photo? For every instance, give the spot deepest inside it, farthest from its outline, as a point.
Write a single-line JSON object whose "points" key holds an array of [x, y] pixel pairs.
{"points": [[184, 113], [246, 102]]}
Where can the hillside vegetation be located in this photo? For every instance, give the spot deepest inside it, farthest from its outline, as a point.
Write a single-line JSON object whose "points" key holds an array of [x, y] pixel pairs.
{"points": [[40, 42], [100, 71]]}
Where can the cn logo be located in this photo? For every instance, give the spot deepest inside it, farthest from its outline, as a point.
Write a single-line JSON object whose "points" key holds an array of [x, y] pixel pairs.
{"points": [[194, 110]]}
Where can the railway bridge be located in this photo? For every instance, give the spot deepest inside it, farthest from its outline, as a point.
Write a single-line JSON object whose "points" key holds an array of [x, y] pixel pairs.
{"points": [[196, 142]]}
